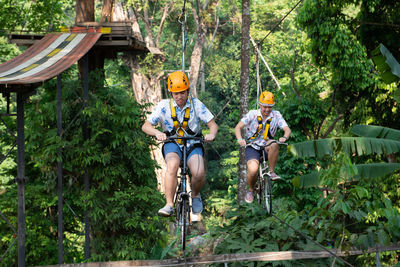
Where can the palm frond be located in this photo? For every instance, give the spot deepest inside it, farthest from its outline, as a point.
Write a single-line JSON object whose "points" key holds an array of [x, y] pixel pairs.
{"points": [[376, 132], [306, 180], [374, 170], [386, 64], [350, 145], [365, 171]]}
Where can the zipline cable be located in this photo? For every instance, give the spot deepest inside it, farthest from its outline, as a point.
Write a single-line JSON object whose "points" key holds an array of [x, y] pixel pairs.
{"points": [[257, 77], [258, 45], [258, 53], [184, 34], [276, 25]]}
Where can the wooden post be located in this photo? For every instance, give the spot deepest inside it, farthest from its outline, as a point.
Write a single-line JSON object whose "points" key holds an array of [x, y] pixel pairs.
{"points": [[60, 176], [21, 179]]}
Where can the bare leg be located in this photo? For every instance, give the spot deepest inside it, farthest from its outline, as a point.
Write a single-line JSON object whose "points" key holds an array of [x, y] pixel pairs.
{"points": [[172, 160], [273, 153], [196, 166], [252, 168]]}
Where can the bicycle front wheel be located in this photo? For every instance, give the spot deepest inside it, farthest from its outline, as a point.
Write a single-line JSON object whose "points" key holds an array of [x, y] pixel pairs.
{"points": [[268, 195], [185, 218]]}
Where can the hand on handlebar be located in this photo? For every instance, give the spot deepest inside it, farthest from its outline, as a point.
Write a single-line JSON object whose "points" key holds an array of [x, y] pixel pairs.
{"points": [[242, 142], [209, 137], [161, 136], [282, 140]]}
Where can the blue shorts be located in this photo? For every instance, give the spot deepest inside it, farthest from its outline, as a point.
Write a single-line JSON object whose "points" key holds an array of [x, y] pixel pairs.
{"points": [[252, 153], [174, 148]]}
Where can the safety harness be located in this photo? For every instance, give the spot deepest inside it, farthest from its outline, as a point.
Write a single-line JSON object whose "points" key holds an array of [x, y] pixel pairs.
{"points": [[267, 134], [180, 127]]}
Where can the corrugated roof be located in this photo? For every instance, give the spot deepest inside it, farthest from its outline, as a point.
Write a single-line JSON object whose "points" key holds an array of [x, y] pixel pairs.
{"points": [[47, 58]]}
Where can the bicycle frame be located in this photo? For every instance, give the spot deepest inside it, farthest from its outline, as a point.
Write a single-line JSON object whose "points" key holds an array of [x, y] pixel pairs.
{"points": [[264, 183], [182, 195]]}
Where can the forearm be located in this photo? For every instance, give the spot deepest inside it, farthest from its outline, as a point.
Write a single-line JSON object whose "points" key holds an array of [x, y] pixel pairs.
{"points": [[238, 131], [150, 129], [287, 132], [213, 129]]}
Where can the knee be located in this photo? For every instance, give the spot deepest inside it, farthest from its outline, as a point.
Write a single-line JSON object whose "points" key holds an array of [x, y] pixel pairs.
{"points": [[252, 166], [198, 174], [273, 148], [172, 168]]}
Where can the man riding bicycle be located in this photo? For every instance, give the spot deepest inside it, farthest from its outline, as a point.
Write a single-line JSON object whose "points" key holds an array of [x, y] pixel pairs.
{"points": [[261, 126], [181, 115]]}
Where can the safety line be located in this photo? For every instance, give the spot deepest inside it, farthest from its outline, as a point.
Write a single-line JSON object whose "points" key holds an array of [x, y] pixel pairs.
{"points": [[315, 242]]}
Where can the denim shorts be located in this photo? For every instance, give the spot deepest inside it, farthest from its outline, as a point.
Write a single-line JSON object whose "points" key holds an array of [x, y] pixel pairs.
{"points": [[174, 148], [252, 153]]}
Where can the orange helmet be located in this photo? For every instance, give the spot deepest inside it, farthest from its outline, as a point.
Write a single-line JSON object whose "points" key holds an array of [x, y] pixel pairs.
{"points": [[177, 82], [266, 99]]}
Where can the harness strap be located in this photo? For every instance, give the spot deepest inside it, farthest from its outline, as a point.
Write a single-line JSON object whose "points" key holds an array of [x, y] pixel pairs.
{"points": [[267, 134], [180, 127], [255, 135]]}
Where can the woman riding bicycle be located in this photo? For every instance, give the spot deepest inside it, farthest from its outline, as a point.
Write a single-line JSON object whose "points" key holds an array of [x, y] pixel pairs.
{"points": [[181, 115], [261, 126]]}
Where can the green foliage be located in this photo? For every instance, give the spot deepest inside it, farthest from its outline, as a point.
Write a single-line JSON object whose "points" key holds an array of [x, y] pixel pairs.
{"points": [[121, 200], [352, 195], [249, 229], [37, 16]]}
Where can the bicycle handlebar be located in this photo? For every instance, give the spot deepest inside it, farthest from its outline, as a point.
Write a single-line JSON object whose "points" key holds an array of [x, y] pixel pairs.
{"points": [[175, 137], [273, 141]]}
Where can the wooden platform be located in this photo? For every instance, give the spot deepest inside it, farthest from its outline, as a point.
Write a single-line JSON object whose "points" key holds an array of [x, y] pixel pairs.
{"points": [[120, 38]]}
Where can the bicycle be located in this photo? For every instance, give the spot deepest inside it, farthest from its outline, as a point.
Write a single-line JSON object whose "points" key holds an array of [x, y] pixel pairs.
{"points": [[264, 186], [182, 206]]}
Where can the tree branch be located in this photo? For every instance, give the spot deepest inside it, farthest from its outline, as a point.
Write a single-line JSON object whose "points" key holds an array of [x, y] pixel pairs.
{"points": [[147, 23], [167, 7], [292, 74], [330, 129]]}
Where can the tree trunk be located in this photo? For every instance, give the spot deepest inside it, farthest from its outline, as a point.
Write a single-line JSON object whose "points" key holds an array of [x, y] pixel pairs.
{"points": [[147, 88], [244, 91], [84, 11], [106, 11], [195, 59]]}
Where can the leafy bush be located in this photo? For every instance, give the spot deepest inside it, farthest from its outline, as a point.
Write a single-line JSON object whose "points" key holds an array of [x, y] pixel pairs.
{"points": [[122, 200]]}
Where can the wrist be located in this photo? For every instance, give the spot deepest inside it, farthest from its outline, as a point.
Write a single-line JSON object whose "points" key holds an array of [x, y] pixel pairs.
{"points": [[240, 139], [286, 138]]}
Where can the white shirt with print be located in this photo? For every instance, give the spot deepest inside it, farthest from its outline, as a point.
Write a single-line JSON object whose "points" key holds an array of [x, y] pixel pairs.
{"points": [[250, 121], [198, 113]]}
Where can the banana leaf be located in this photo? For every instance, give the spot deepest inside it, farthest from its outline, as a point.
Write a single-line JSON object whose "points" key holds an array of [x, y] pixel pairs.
{"points": [[386, 64], [350, 145], [307, 180], [365, 171], [376, 132]]}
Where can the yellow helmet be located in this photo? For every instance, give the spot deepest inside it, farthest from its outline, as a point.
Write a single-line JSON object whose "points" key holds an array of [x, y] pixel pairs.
{"points": [[177, 82], [266, 99]]}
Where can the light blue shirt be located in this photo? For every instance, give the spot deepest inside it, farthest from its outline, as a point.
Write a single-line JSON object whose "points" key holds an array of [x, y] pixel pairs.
{"points": [[198, 113]]}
